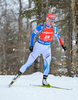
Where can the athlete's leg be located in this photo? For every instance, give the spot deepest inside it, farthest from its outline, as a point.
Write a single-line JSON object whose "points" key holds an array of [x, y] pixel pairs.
{"points": [[28, 63], [31, 59], [47, 59]]}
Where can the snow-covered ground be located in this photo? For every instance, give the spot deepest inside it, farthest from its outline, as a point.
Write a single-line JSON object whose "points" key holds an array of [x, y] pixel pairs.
{"points": [[22, 90]]}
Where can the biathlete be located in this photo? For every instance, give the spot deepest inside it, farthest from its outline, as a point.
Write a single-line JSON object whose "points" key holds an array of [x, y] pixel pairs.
{"points": [[42, 46]]}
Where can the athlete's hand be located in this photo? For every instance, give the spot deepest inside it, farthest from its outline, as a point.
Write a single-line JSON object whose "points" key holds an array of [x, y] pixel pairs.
{"points": [[64, 47], [31, 48]]}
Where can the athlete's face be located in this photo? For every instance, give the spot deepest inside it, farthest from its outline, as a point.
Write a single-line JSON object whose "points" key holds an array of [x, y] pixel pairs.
{"points": [[49, 23]]}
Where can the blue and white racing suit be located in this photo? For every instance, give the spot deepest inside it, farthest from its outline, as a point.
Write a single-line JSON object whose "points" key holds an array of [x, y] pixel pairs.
{"points": [[42, 46]]}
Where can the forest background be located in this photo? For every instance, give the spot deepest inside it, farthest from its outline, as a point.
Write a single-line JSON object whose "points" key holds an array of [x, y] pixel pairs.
{"points": [[19, 18]]}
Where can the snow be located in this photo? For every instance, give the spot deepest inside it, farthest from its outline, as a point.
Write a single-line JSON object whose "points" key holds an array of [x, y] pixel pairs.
{"points": [[22, 90]]}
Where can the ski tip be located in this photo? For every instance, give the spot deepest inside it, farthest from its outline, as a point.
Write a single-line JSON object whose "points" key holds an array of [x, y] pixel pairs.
{"points": [[11, 83]]}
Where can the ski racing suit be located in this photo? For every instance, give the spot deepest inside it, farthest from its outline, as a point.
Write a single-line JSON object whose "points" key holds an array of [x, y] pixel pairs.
{"points": [[42, 46]]}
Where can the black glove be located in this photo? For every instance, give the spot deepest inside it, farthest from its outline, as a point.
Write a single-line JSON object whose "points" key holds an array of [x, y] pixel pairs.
{"points": [[31, 48], [64, 47]]}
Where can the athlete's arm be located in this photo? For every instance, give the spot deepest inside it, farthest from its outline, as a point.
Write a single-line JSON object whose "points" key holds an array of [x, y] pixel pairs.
{"points": [[35, 32], [56, 34]]}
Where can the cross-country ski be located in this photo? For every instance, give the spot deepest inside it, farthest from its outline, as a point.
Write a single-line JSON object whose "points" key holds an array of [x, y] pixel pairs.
{"points": [[52, 87]]}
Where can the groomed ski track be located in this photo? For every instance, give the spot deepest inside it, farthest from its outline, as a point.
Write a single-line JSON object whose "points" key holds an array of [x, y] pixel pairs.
{"points": [[22, 90]]}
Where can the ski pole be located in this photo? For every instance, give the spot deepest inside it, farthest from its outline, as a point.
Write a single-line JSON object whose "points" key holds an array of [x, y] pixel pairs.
{"points": [[19, 49], [28, 50]]}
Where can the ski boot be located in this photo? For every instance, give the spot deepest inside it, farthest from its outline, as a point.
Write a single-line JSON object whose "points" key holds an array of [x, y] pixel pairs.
{"points": [[44, 81], [15, 78]]}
